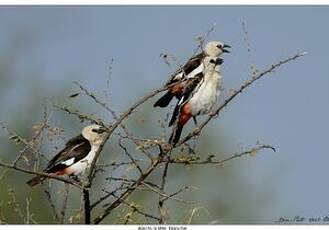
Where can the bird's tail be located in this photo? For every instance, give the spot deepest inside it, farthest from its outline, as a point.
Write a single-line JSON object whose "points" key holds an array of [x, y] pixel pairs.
{"points": [[183, 117], [178, 128], [164, 100], [174, 115], [175, 135], [35, 181]]}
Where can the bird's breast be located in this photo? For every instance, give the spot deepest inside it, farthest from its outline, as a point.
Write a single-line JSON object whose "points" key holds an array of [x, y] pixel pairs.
{"points": [[80, 166], [206, 96]]}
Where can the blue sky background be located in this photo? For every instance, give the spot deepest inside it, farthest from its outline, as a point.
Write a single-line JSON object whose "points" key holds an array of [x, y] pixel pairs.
{"points": [[55, 46]]}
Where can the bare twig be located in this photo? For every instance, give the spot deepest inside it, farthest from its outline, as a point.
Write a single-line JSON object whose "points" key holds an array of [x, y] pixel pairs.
{"points": [[177, 192], [64, 204], [161, 209], [164, 152], [237, 92], [127, 185], [29, 215], [80, 115], [162, 194], [194, 210], [220, 162], [107, 195], [115, 164], [18, 139], [130, 189], [50, 176], [131, 181], [52, 205], [16, 207], [118, 123], [136, 209], [114, 115], [130, 157], [87, 208]]}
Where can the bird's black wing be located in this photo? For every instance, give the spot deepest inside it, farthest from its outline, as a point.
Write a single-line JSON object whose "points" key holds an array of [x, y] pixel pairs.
{"points": [[189, 66], [192, 86], [76, 149], [75, 140]]}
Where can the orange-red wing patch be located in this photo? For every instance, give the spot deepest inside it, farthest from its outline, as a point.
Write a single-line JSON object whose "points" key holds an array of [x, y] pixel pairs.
{"points": [[177, 89], [61, 172], [66, 171]]}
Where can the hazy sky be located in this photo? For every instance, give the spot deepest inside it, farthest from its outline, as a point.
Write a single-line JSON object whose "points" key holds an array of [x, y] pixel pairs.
{"points": [[289, 109]]}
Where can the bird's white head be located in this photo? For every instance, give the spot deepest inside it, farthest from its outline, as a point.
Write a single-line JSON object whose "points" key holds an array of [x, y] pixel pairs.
{"points": [[215, 48], [95, 134]]}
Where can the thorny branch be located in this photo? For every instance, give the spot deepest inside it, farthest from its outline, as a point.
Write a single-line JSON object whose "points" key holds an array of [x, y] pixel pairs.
{"points": [[87, 208], [162, 210], [210, 160], [14, 136], [114, 115], [64, 205], [136, 209], [118, 123], [272, 68], [47, 175], [80, 115], [165, 149], [52, 205], [163, 157], [133, 161]]}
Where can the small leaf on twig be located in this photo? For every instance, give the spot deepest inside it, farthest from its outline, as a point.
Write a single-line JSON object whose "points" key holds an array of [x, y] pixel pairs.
{"points": [[15, 139], [210, 157]]}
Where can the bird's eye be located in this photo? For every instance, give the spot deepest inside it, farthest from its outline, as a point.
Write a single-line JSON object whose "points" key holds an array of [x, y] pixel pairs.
{"points": [[219, 46], [212, 61], [95, 130]]}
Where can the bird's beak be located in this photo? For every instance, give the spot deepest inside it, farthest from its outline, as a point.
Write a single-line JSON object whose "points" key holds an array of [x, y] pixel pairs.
{"points": [[220, 61], [101, 130], [225, 50]]}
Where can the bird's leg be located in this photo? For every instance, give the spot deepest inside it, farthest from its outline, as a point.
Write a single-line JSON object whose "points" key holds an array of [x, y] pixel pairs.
{"points": [[74, 177], [195, 121]]}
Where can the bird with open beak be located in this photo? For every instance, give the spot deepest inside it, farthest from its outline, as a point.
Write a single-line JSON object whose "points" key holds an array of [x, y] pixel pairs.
{"points": [[199, 96], [194, 67], [77, 155]]}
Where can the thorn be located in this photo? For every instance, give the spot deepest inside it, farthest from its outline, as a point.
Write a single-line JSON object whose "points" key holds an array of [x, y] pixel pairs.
{"points": [[270, 147], [74, 95]]}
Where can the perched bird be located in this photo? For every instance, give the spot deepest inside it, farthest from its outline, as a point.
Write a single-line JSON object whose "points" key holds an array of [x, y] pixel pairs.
{"points": [[192, 68], [198, 97], [77, 155]]}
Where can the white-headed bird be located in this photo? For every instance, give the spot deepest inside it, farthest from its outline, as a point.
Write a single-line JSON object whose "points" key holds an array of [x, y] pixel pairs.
{"points": [[199, 96], [194, 67], [77, 155]]}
